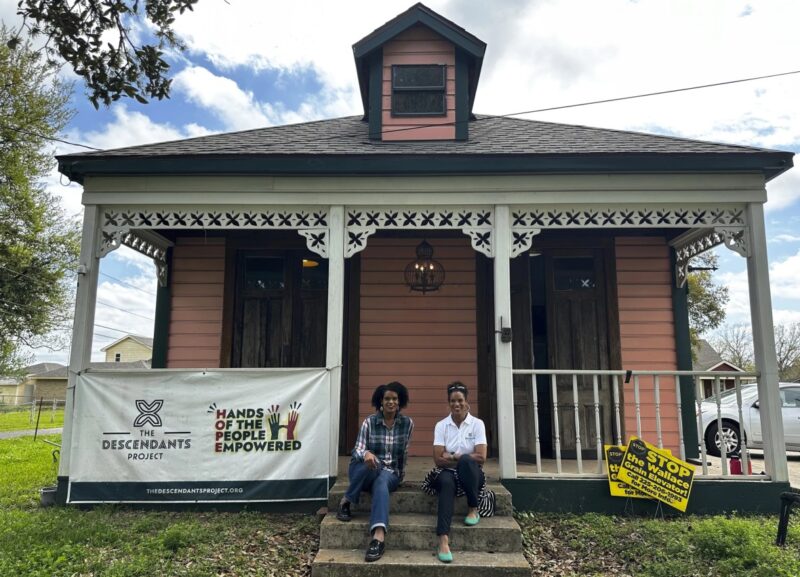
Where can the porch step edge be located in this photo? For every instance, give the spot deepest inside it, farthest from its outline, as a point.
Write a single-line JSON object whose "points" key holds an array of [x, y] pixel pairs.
{"points": [[415, 531], [400, 563]]}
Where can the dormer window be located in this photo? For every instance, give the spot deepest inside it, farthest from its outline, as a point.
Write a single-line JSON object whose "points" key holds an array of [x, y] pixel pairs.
{"points": [[419, 90]]}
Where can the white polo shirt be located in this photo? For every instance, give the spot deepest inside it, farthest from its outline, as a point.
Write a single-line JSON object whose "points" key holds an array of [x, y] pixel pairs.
{"points": [[461, 440]]}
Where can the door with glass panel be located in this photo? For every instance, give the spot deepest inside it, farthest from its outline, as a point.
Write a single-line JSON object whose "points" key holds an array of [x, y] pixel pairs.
{"points": [[577, 335], [280, 309]]}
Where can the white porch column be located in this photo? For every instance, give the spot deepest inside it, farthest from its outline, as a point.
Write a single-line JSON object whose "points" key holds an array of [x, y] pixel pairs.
{"points": [[764, 346], [506, 444], [82, 326], [333, 357]]}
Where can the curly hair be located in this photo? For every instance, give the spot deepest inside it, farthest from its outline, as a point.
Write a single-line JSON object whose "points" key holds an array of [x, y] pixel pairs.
{"points": [[399, 388]]}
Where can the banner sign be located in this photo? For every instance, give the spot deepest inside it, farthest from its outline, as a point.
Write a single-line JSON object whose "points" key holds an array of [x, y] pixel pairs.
{"points": [[188, 436], [661, 476]]}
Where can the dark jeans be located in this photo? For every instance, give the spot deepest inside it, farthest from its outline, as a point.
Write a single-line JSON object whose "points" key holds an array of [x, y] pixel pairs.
{"points": [[380, 483], [471, 477]]}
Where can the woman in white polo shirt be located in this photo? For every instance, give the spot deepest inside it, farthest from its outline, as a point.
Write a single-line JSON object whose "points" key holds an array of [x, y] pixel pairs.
{"points": [[459, 450]]}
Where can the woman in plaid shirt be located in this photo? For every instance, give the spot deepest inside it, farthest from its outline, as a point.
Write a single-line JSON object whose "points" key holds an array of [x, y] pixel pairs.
{"points": [[379, 459]]}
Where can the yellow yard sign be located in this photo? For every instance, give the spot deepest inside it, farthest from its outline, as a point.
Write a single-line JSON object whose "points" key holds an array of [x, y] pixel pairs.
{"points": [[614, 455], [661, 476]]}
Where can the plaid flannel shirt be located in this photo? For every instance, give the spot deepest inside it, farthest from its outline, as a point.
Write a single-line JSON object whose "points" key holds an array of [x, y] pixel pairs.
{"points": [[390, 446]]}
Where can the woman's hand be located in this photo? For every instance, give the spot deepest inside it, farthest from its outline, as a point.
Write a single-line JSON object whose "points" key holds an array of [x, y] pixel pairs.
{"points": [[370, 460]]}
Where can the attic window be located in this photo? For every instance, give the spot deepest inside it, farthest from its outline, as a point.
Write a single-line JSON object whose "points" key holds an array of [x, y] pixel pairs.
{"points": [[419, 90]]}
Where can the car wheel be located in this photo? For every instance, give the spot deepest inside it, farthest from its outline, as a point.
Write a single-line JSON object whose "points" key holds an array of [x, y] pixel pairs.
{"points": [[730, 434]]}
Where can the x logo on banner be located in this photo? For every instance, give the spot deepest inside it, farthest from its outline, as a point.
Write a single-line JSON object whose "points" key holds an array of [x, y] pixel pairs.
{"points": [[148, 413]]}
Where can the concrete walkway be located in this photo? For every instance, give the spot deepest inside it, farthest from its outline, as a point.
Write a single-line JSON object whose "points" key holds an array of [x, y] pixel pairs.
{"points": [[28, 433]]}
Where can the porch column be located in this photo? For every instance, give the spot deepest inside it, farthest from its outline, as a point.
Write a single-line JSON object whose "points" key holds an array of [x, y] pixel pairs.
{"points": [[764, 346], [506, 444], [333, 356], [82, 329]]}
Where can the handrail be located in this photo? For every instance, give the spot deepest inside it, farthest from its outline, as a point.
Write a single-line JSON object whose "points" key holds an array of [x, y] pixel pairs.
{"points": [[623, 373]]}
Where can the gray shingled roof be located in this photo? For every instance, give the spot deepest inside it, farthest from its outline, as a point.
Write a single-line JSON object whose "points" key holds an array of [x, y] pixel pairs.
{"points": [[706, 356], [61, 372], [488, 135]]}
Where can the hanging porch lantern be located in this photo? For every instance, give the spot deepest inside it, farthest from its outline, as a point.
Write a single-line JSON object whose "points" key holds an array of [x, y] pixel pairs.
{"points": [[424, 274]]}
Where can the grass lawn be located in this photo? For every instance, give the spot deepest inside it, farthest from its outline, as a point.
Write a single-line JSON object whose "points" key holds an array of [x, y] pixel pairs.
{"points": [[117, 542], [720, 546], [21, 420]]}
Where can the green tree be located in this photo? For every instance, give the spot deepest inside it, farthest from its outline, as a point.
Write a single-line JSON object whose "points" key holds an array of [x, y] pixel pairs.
{"points": [[38, 243], [707, 299], [100, 40]]}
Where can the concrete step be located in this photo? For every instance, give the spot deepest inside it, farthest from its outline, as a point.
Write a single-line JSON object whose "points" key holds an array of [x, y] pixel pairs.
{"points": [[400, 563], [409, 498], [418, 532]]}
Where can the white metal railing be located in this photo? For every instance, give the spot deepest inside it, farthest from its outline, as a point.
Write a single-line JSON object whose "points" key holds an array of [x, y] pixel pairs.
{"points": [[644, 383]]}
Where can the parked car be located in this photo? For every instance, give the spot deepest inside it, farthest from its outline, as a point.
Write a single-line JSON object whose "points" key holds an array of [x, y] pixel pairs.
{"points": [[751, 419]]}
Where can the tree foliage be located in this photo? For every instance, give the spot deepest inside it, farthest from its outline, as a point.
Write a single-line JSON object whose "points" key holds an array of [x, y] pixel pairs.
{"points": [[38, 243], [735, 344], [706, 299], [100, 40]]}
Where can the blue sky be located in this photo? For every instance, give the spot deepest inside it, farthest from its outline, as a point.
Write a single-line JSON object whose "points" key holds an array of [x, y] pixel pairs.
{"points": [[254, 63]]}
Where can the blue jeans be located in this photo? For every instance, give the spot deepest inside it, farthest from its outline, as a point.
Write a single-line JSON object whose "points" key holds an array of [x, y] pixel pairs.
{"points": [[380, 483]]}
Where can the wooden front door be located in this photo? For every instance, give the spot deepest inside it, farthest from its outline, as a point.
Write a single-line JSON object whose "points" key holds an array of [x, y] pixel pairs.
{"points": [[280, 309], [578, 338]]}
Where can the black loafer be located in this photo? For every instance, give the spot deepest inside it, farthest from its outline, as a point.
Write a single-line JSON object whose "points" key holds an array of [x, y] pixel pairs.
{"points": [[343, 513], [374, 551]]}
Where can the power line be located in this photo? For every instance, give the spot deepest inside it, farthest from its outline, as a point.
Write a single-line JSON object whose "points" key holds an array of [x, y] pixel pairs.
{"points": [[112, 329], [51, 138], [593, 102], [123, 310], [508, 115], [122, 282]]}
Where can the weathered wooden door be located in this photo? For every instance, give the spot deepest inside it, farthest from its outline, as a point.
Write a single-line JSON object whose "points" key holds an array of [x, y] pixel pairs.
{"points": [[577, 335], [281, 309]]}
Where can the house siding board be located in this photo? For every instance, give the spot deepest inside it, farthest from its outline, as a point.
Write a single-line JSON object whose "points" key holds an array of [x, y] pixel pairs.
{"points": [[129, 350], [423, 341], [418, 45], [49, 389], [195, 328], [647, 334]]}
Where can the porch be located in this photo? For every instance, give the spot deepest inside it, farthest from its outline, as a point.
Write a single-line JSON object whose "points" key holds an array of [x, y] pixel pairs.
{"points": [[586, 402]]}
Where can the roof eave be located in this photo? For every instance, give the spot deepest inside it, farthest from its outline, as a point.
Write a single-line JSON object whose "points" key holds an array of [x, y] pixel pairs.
{"points": [[76, 167]]}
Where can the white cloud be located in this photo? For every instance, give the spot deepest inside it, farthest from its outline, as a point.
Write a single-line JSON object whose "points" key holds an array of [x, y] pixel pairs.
{"points": [[784, 191], [785, 238], [240, 109], [132, 128]]}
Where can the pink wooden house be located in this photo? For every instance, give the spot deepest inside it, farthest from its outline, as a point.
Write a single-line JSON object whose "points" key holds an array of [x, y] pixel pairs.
{"points": [[564, 252]]}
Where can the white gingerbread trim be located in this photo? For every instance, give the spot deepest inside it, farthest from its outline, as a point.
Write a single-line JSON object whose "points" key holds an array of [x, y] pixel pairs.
{"points": [[693, 243], [626, 217], [522, 239], [133, 227], [475, 222]]}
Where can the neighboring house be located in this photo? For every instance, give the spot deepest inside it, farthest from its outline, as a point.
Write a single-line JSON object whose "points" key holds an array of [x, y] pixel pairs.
{"points": [[17, 391], [564, 251], [706, 358], [52, 384], [129, 348]]}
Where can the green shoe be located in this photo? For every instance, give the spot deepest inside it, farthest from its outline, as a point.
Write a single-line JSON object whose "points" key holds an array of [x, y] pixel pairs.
{"points": [[472, 520], [445, 557]]}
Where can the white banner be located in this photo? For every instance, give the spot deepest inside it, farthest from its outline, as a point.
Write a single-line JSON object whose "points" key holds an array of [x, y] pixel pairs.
{"points": [[189, 436]]}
